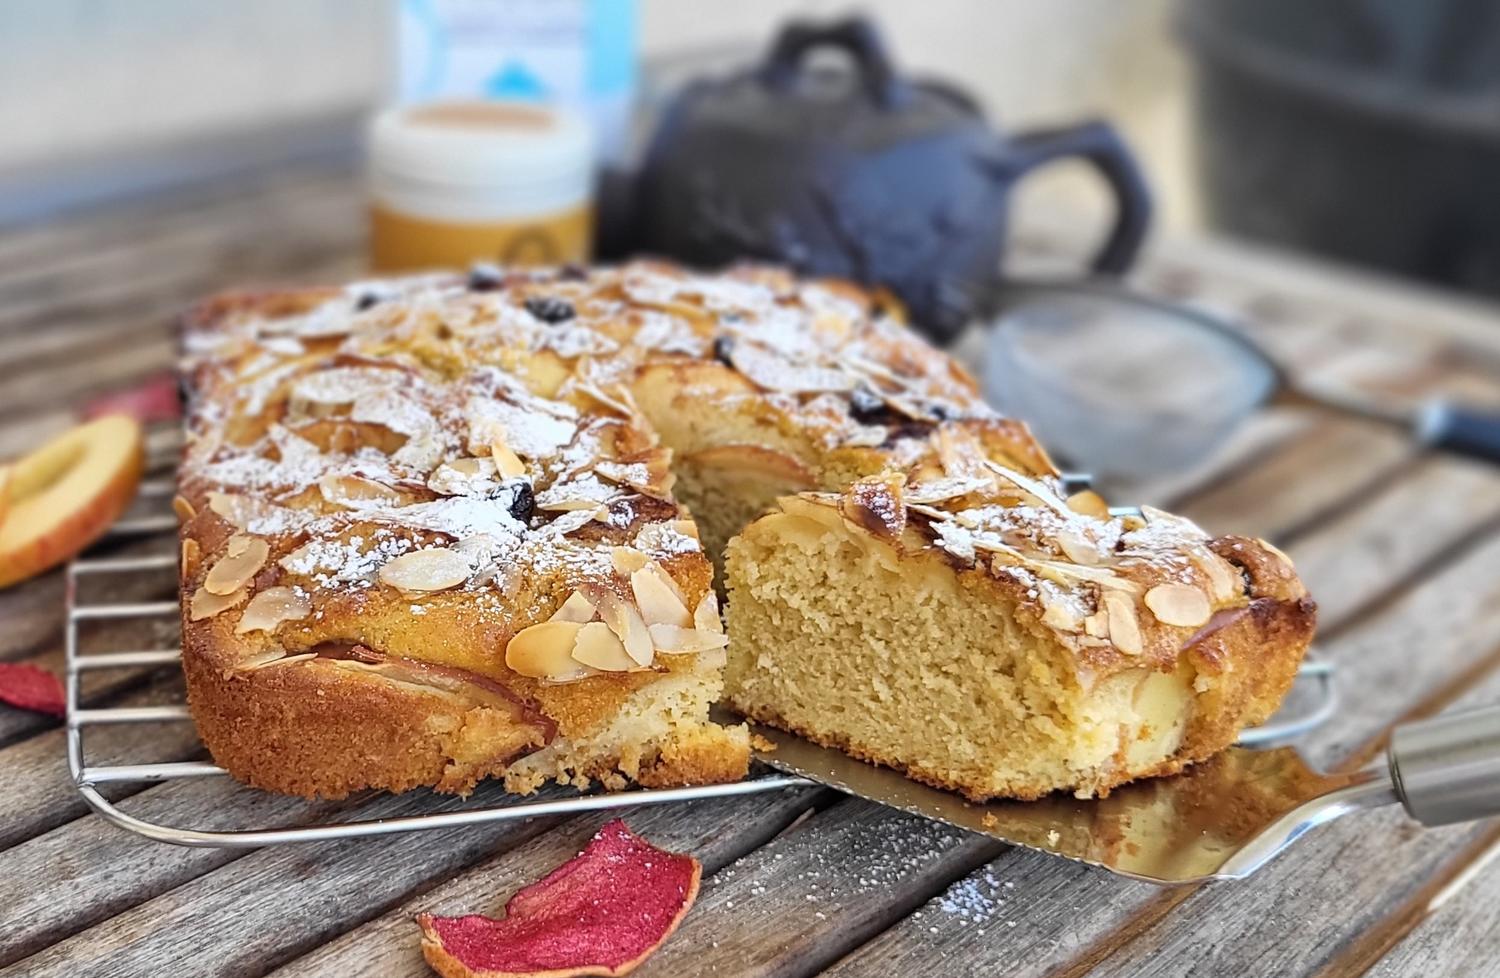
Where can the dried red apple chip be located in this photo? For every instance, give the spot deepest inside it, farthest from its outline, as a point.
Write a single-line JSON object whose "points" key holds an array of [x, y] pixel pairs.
{"points": [[600, 913], [30, 688]]}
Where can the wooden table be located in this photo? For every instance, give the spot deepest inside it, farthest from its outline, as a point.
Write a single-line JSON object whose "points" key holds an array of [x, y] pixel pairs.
{"points": [[1401, 548]]}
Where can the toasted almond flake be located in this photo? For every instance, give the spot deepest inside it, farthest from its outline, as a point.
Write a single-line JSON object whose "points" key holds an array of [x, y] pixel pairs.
{"points": [[352, 491], [673, 640], [686, 527], [244, 557], [252, 662], [658, 597], [1089, 503], [1124, 625], [940, 490], [191, 552], [238, 511], [1179, 604], [571, 505], [1061, 617], [507, 462], [627, 560], [1077, 547], [206, 604], [577, 609], [706, 615], [545, 651], [625, 621], [1066, 574], [1097, 624], [1279, 554], [598, 647], [222, 503], [433, 569], [269, 608], [287, 660], [1224, 583], [184, 509], [1031, 486], [1153, 515]]}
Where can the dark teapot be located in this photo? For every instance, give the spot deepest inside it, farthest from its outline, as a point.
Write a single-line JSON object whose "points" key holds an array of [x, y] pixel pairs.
{"points": [[859, 174]]}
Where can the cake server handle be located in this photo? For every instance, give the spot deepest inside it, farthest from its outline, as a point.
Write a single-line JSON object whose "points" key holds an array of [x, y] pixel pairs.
{"points": [[1447, 769]]}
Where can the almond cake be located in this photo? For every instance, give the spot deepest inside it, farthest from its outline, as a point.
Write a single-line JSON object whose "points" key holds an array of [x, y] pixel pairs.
{"points": [[445, 528]]}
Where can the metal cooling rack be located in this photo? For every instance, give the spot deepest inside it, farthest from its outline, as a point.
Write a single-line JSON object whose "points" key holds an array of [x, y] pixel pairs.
{"points": [[89, 777]]}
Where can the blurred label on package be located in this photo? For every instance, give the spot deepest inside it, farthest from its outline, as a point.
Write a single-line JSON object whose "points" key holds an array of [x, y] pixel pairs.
{"points": [[576, 53]]}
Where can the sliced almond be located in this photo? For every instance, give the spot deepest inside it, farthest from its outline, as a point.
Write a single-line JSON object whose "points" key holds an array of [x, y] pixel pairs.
{"points": [[238, 510], [686, 527], [599, 647], [243, 559], [1124, 624], [673, 640], [184, 509], [282, 660], [1179, 604], [576, 609], [706, 615], [1060, 616], [658, 597], [191, 552], [269, 608], [206, 604], [353, 491], [252, 662], [1097, 624], [625, 621], [507, 462], [1224, 581], [545, 651], [433, 569], [1089, 503], [1032, 487], [627, 560], [1077, 547]]}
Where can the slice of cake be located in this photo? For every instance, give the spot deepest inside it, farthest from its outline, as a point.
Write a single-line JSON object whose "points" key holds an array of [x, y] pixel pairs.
{"points": [[980, 632], [420, 547]]}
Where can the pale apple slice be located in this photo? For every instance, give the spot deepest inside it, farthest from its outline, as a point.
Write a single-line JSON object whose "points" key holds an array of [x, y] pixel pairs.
{"points": [[66, 493]]}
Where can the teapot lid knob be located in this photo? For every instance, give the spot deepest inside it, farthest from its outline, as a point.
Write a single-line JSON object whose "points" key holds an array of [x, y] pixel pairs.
{"points": [[855, 35]]}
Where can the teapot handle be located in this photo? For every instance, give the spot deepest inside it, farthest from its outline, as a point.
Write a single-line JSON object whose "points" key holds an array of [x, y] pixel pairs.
{"points": [[854, 35], [1100, 145]]}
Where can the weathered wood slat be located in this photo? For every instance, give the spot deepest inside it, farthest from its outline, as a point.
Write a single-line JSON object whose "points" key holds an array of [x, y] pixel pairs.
{"points": [[835, 880], [87, 871], [47, 249], [387, 945], [39, 795], [282, 899], [1349, 458], [1457, 933]]}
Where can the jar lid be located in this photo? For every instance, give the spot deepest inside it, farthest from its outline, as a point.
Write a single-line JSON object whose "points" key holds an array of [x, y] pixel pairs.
{"points": [[481, 144]]}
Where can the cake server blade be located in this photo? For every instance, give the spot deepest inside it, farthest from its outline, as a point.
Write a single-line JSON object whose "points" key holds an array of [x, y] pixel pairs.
{"points": [[1221, 819]]}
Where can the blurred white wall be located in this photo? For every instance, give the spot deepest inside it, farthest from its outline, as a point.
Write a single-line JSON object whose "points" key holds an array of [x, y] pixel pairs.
{"points": [[84, 78]]}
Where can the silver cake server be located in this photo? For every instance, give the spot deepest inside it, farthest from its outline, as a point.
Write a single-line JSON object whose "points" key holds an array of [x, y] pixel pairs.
{"points": [[1222, 819]]}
